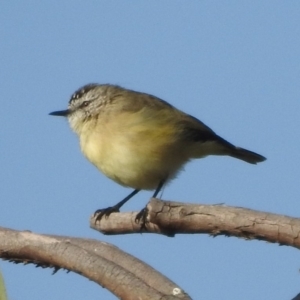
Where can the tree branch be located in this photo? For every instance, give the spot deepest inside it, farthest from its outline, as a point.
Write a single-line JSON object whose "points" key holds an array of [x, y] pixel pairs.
{"points": [[126, 276], [122, 274], [169, 218]]}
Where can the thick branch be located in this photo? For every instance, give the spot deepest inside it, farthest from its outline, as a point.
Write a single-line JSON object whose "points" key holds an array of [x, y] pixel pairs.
{"points": [[169, 218], [119, 272]]}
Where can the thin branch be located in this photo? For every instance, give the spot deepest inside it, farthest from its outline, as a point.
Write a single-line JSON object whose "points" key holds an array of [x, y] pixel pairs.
{"points": [[125, 276], [170, 218]]}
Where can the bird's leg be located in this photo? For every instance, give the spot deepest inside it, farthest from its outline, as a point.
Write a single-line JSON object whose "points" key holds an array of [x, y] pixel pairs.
{"points": [[159, 187], [116, 208], [142, 215]]}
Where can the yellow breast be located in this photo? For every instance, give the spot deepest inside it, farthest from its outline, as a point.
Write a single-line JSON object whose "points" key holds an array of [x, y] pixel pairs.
{"points": [[134, 151]]}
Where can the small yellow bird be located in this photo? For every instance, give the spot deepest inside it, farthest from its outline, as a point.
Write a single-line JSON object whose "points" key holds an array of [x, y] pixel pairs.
{"points": [[139, 140]]}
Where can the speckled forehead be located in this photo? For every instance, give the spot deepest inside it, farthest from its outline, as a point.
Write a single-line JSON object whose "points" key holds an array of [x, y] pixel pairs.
{"points": [[80, 92]]}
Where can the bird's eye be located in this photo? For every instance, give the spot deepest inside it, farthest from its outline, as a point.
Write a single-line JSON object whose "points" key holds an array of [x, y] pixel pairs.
{"points": [[85, 103]]}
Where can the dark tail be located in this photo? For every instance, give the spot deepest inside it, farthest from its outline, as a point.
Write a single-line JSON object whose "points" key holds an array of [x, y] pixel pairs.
{"points": [[246, 155]]}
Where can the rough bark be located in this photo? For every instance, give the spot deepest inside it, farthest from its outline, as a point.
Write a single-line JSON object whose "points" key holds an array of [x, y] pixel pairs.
{"points": [[126, 276], [170, 218], [122, 274]]}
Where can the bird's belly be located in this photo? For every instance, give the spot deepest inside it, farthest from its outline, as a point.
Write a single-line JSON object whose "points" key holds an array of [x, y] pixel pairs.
{"points": [[140, 166]]}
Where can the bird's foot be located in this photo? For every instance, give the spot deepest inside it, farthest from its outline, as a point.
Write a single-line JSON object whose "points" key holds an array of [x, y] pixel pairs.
{"points": [[99, 213], [141, 218]]}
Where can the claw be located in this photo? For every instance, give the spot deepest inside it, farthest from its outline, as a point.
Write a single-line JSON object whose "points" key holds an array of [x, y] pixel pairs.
{"points": [[99, 213], [141, 217]]}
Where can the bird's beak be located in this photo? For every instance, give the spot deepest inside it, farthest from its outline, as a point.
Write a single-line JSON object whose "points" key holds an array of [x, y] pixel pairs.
{"points": [[61, 113]]}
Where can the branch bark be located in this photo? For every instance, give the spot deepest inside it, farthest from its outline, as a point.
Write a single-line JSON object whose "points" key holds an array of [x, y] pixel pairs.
{"points": [[126, 276], [170, 218], [122, 274]]}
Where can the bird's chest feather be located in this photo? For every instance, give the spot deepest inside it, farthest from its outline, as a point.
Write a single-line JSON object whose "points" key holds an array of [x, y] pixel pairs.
{"points": [[120, 156], [132, 156]]}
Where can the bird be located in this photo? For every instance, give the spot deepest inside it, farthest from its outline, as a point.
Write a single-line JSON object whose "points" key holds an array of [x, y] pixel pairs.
{"points": [[139, 140]]}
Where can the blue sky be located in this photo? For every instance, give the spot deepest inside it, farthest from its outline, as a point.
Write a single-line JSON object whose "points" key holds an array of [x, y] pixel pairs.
{"points": [[233, 64]]}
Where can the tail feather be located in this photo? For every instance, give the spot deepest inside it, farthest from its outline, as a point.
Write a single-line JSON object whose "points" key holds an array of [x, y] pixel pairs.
{"points": [[247, 156]]}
